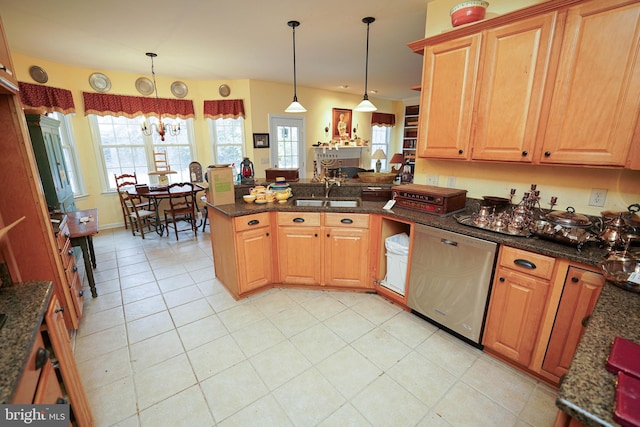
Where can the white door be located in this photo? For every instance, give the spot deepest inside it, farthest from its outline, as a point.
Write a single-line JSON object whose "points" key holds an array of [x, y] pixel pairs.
{"points": [[288, 148]]}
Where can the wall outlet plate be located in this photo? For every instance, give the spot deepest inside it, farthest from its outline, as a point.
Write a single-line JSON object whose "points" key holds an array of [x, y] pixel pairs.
{"points": [[433, 180], [598, 197]]}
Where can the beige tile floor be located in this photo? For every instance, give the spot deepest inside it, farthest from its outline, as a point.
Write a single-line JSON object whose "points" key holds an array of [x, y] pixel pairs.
{"points": [[165, 345]]}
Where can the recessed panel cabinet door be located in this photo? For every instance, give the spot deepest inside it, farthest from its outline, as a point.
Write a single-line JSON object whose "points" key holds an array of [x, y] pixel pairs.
{"points": [[254, 258], [448, 86], [515, 66], [594, 107]]}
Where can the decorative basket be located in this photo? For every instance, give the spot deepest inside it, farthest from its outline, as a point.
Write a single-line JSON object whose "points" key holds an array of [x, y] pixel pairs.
{"points": [[377, 177]]}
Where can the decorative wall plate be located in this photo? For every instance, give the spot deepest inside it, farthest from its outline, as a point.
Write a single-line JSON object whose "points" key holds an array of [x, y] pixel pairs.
{"points": [[179, 89], [38, 74], [99, 82], [224, 90], [144, 86]]}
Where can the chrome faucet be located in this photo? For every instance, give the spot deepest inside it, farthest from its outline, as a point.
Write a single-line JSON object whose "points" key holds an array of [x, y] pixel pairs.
{"points": [[328, 185]]}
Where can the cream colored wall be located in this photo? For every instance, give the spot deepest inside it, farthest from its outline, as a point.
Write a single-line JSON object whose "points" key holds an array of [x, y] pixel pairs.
{"points": [[260, 99], [572, 185]]}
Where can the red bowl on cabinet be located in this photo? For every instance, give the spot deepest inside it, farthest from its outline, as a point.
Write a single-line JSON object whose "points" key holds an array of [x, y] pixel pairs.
{"points": [[468, 11]]}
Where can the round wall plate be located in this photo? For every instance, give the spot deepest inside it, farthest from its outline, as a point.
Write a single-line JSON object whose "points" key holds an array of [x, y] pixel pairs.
{"points": [[38, 74], [144, 86], [99, 82], [224, 90], [179, 89]]}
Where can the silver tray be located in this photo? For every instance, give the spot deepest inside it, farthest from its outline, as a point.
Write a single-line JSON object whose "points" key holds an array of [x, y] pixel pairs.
{"points": [[467, 220]]}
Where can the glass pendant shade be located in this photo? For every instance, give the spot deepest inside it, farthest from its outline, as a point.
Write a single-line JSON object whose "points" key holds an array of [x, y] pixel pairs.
{"points": [[295, 107], [365, 106]]}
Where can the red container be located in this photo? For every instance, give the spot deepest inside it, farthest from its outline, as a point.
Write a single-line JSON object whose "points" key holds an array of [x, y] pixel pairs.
{"points": [[468, 11]]}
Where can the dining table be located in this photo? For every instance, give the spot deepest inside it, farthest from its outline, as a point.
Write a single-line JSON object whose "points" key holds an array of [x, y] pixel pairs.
{"points": [[155, 194]]}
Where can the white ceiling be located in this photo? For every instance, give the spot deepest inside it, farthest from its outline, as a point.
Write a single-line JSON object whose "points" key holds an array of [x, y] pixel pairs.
{"points": [[229, 39]]}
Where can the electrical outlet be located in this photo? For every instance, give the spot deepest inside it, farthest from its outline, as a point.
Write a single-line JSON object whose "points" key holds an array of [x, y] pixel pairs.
{"points": [[451, 182], [433, 179], [598, 197]]}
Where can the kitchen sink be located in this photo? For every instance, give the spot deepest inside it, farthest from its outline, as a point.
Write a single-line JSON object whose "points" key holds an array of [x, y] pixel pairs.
{"points": [[328, 203], [309, 202]]}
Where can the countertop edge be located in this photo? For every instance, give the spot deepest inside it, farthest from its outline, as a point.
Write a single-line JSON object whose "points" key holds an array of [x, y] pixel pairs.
{"points": [[25, 304]]}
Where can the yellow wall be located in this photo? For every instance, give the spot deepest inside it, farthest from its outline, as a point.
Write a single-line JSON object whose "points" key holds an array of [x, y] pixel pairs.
{"points": [[260, 99], [572, 185]]}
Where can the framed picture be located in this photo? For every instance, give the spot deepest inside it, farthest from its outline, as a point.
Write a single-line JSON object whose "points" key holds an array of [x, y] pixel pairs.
{"points": [[341, 123], [260, 140]]}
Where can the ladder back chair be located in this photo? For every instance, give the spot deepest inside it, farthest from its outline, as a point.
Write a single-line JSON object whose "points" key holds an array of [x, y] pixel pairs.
{"points": [[139, 218], [182, 208], [129, 180]]}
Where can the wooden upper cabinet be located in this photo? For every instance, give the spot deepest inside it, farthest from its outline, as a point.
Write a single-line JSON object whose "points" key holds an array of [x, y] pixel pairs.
{"points": [[594, 106], [448, 88], [510, 92], [8, 79]]}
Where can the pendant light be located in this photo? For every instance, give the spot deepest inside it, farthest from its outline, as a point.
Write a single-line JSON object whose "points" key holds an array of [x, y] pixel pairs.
{"points": [[295, 106], [366, 105]]}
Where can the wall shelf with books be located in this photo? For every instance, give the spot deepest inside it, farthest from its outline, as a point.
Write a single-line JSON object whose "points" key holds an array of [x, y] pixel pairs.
{"points": [[410, 134]]}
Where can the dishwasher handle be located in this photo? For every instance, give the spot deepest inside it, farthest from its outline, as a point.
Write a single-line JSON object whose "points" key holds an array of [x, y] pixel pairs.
{"points": [[448, 242]]}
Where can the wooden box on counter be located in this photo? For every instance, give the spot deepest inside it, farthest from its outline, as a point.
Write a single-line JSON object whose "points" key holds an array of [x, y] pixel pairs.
{"points": [[291, 175]]}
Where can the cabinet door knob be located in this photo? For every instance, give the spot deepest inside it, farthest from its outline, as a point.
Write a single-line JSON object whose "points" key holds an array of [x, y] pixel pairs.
{"points": [[267, 234], [460, 151], [315, 235], [547, 153], [585, 321], [525, 153], [70, 252], [328, 235], [575, 279], [42, 356], [75, 268], [81, 293], [501, 279]]}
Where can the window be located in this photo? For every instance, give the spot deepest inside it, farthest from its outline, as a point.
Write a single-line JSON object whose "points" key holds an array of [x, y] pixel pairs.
{"points": [[228, 141], [380, 136], [123, 147], [69, 151]]}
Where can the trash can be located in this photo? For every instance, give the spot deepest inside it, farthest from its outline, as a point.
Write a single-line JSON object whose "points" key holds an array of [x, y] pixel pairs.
{"points": [[397, 254]]}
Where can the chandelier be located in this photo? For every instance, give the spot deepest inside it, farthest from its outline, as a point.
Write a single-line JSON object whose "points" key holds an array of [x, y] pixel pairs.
{"points": [[161, 128]]}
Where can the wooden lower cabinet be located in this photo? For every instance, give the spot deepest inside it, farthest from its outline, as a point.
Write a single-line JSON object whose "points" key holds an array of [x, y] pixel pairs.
{"points": [[515, 313], [327, 249], [346, 250], [579, 295], [54, 327], [253, 249], [538, 310], [299, 248]]}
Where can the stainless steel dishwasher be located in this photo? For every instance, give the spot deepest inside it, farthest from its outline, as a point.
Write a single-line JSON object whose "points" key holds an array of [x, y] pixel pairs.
{"points": [[449, 281]]}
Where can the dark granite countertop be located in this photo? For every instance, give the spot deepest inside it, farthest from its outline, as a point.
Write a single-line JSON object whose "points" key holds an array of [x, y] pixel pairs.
{"points": [[25, 305], [587, 392], [589, 255]]}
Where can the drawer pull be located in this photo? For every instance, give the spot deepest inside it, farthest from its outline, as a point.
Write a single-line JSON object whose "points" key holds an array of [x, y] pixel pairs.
{"points": [[59, 310], [346, 221], [75, 268], [525, 263], [448, 242], [42, 355], [298, 220], [253, 222], [70, 252], [81, 293], [575, 279]]}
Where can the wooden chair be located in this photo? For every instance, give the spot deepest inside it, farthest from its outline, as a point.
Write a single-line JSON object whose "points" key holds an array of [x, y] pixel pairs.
{"points": [[130, 180], [160, 161], [182, 207], [139, 218]]}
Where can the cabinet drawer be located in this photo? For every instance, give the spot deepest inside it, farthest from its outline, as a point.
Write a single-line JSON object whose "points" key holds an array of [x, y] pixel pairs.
{"points": [[67, 255], [63, 235], [309, 219], [527, 262], [247, 222], [28, 384], [346, 220]]}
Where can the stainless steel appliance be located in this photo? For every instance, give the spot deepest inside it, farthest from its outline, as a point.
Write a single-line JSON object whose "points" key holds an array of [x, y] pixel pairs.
{"points": [[450, 277]]}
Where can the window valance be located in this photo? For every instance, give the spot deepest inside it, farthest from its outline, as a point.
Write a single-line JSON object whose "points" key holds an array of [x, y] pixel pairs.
{"points": [[103, 104], [383, 119], [224, 109], [47, 97]]}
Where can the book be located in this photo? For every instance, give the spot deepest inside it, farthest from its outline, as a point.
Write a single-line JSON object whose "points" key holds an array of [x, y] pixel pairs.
{"points": [[624, 356], [627, 409]]}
